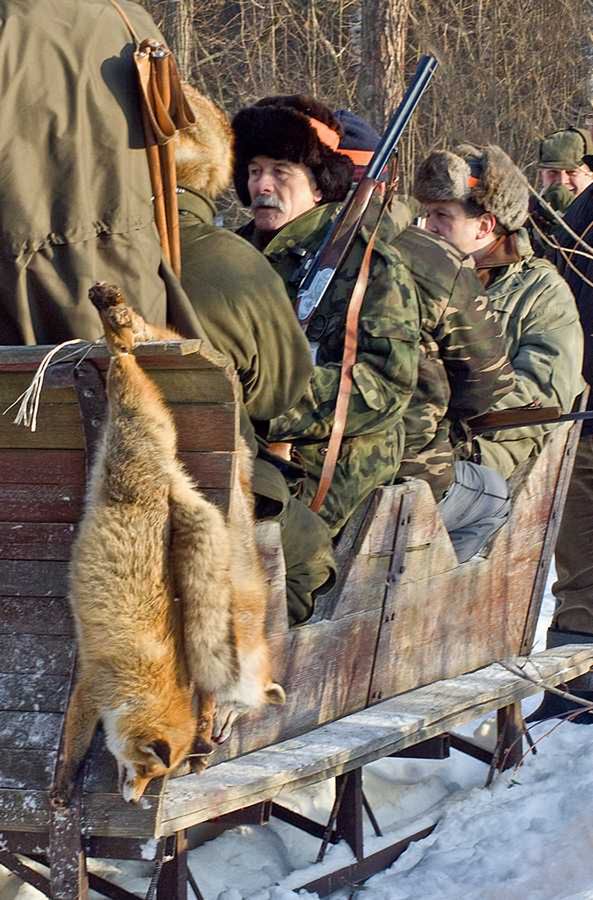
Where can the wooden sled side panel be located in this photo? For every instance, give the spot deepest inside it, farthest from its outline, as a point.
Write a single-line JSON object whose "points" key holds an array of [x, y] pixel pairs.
{"points": [[42, 486], [444, 619]]}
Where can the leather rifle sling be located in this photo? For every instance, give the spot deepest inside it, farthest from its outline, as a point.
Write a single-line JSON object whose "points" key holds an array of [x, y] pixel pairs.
{"points": [[165, 110], [345, 385]]}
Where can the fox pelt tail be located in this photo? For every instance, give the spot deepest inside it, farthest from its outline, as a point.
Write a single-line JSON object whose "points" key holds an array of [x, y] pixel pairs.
{"points": [[200, 561]]}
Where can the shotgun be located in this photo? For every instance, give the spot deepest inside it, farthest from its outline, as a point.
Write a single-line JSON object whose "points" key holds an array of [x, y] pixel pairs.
{"points": [[322, 266]]}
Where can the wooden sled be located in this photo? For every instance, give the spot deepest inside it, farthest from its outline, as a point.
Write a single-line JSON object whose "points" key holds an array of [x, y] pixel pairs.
{"points": [[402, 616]]}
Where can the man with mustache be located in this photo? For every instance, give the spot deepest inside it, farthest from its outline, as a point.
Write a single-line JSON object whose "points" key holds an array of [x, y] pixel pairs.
{"points": [[289, 172]]}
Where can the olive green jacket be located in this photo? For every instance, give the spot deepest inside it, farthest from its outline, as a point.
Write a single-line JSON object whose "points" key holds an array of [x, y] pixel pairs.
{"points": [[384, 375], [544, 342], [75, 195], [463, 367], [244, 310], [243, 307]]}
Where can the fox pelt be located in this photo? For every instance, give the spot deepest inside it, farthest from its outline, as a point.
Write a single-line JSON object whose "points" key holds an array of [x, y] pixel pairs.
{"points": [[169, 600]]}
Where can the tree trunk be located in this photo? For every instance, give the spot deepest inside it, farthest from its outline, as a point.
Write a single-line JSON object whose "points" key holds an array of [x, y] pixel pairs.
{"points": [[177, 27], [384, 28]]}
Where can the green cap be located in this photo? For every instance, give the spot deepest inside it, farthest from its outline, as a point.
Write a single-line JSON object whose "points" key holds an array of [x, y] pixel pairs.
{"points": [[566, 149]]}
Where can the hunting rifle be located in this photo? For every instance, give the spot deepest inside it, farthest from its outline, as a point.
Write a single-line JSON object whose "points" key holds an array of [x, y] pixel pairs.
{"points": [[321, 268], [523, 417]]}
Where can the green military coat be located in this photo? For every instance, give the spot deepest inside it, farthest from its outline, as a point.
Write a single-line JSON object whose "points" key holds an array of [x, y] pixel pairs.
{"points": [[75, 195], [244, 310], [544, 342], [384, 374], [463, 368]]}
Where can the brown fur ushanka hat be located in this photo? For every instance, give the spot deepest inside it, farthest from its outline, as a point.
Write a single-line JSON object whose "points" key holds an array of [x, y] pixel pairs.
{"points": [[280, 127], [484, 175]]}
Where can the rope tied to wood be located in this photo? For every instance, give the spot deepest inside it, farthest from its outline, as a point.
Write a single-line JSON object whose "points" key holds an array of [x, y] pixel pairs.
{"points": [[30, 399]]}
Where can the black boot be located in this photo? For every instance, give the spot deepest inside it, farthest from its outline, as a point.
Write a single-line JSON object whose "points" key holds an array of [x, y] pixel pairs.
{"points": [[554, 706]]}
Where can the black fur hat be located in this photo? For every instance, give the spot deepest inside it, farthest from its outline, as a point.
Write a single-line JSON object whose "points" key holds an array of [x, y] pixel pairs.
{"points": [[280, 127]]}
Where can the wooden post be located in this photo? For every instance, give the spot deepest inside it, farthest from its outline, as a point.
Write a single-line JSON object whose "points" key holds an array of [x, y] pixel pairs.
{"points": [[510, 735], [68, 874], [173, 879], [349, 819]]}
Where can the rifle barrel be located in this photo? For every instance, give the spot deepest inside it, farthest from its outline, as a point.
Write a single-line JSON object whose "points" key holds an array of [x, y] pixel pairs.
{"points": [[427, 66]]}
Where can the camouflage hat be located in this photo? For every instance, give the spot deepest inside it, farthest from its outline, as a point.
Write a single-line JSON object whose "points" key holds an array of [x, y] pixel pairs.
{"points": [[567, 149], [486, 176]]}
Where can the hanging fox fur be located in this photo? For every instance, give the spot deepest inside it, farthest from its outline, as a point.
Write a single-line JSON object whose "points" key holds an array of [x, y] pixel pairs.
{"points": [[149, 538]]}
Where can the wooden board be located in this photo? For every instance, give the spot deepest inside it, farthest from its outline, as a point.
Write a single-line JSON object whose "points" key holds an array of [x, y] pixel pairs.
{"points": [[359, 739]]}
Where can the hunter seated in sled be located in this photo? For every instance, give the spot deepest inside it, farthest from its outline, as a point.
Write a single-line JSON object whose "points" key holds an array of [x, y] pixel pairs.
{"points": [[462, 367], [243, 308], [477, 199], [289, 173]]}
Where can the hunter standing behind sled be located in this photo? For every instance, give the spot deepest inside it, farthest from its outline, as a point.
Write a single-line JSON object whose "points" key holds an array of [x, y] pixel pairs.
{"points": [[148, 537]]}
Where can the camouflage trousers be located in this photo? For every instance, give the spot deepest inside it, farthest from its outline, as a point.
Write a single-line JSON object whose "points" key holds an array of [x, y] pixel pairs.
{"points": [[574, 558]]}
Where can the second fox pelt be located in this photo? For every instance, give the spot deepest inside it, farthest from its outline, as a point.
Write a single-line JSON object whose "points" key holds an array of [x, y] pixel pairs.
{"points": [[168, 598]]}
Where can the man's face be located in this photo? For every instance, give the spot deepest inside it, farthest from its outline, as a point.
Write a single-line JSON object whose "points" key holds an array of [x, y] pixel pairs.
{"points": [[279, 191], [576, 180], [448, 219]]}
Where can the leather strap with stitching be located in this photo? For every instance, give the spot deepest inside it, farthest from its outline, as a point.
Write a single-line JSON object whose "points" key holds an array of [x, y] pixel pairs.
{"points": [[348, 361], [165, 111]]}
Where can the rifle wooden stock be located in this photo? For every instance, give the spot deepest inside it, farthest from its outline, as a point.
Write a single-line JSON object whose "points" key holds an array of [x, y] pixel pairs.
{"points": [[519, 417]]}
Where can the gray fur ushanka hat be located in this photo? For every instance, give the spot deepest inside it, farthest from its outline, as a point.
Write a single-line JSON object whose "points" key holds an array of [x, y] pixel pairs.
{"points": [[484, 175], [299, 129]]}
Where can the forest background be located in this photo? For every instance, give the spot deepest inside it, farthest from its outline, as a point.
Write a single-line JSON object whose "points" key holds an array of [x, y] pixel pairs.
{"points": [[511, 70]]}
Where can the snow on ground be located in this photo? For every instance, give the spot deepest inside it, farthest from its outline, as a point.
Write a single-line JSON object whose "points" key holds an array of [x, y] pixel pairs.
{"points": [[527, 837]]}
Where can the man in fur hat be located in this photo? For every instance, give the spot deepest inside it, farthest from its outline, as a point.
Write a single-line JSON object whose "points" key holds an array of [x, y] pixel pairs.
{"points": [[244, 310], [565, 167], [462, 367], [289, 173], [476, 198]]}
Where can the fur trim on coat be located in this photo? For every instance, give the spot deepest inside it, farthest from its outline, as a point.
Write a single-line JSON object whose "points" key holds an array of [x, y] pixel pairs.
{"points": [[204, 151], [279, 127]]}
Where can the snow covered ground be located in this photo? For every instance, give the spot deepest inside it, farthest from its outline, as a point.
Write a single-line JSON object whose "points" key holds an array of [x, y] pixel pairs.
{"points": [[527, 837]]}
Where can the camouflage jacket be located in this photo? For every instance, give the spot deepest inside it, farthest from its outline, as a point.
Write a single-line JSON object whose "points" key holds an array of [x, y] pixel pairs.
{"points": [[384, 374], [463, 367], [544, 342]]}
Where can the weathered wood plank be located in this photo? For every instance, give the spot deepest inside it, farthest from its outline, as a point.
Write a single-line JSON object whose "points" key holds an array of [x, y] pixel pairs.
{"points": [[199, 427], [35, 654], [207, 385], [210, 470], [42, 466], [103, 814], [325, 670], [33, 692], [193, 354], [23, 503], [357, 739], [36, 540], [35, 615], [27, 769], [30, 730], [33, 578]]}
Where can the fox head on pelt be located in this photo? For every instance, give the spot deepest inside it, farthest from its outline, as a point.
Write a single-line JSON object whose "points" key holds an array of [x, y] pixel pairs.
{"points": [[147, 746], [204, 151]]}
